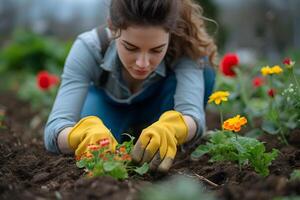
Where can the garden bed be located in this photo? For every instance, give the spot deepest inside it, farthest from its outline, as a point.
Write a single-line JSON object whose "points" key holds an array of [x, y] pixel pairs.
{"points": [[27, 171]]}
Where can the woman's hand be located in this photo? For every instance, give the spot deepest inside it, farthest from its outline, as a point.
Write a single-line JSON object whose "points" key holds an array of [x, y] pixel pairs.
{"points": [[157, 143], [88, 131]]}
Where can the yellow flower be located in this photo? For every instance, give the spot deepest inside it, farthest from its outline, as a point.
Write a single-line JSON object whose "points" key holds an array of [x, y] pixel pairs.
{"points": [[234, 123], [276, 69], [271, 70], [218, 97], [266, 70]]}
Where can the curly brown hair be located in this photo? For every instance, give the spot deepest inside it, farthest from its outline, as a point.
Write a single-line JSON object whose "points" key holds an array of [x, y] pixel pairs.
{"points": [[182, 18]]}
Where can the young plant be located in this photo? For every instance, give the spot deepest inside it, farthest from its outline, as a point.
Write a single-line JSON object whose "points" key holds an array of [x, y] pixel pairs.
{"points": [[98, 161], [226, 146]]}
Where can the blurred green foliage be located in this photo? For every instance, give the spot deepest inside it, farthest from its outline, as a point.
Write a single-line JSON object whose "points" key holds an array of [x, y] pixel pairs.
{"points": [[22, 57], [31, 52], [219, 32], [176, 188]]}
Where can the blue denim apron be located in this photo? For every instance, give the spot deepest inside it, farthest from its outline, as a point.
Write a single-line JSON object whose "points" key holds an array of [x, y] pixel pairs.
{"points": [[145, 109]]}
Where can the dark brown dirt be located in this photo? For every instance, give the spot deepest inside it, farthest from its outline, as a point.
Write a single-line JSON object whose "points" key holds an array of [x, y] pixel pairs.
{"points": [[27, 171]]}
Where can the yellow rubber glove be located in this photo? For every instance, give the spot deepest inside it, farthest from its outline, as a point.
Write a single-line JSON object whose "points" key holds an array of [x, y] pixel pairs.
{"points": [[89, 131], [158, 142]]}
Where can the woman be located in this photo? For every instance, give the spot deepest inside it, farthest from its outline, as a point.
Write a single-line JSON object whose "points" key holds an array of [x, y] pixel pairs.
{"points": [[153, 79]]}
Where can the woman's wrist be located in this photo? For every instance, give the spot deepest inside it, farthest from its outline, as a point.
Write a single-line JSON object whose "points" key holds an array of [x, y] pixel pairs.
{"points": [[192, 127], [62, 141]]}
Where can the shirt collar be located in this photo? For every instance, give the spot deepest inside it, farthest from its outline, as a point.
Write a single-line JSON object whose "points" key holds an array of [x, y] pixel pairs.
{"points": [[111, 61]]}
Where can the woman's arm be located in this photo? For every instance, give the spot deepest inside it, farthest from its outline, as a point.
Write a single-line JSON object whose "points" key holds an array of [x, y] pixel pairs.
{"points": [[189, 95], [80, 69]]}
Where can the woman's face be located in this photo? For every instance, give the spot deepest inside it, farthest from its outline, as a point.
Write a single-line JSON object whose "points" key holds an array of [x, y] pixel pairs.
{"points": [[141, 49]]}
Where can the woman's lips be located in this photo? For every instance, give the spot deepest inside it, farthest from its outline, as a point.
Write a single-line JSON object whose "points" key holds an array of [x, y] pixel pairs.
{"points": [[141, 72]]}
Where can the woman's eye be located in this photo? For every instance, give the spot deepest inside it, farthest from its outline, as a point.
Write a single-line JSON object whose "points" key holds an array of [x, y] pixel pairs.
{"points": [[157, 51], [129, 49]]}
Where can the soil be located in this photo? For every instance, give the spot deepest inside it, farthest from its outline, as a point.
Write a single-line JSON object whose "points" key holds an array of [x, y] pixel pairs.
{"points": [[28, 171]]}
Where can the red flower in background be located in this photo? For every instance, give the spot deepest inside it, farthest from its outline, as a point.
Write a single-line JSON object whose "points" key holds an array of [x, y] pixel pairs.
{"points": [[45, 80], [257, 81], [229, 61], [287, 61], [271, 92]]}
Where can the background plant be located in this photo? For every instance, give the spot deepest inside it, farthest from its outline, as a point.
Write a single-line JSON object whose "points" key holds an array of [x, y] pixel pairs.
{"points": [[226, 146], [22, 58]]}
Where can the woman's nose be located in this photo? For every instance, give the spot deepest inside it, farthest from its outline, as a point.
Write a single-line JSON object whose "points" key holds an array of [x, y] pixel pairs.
{"points": [[143, 61]]}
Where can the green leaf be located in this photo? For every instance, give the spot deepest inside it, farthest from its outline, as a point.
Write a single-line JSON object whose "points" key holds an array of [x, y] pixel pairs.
{"points": [[270, 127], [81, 163], [119, 172], [200, 151], [143, 169], [110, 165]]}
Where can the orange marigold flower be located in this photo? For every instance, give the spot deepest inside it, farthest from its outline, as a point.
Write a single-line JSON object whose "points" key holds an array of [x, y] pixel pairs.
{"points": [[93, 147], [122, 149], [235, 123], [126, 157]]}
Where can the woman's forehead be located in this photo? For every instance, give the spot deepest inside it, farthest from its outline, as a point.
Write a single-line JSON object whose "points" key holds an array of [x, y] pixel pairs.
{"points": [[152, 35]]}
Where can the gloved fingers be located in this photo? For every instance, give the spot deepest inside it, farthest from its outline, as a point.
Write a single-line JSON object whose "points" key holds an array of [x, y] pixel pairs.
{"points": [[137, 152], [155, 162], [151, 149], [168, 159], [165, 165]]}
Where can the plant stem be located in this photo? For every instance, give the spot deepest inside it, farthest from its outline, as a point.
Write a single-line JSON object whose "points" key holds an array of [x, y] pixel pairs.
{"points": [[221, 117], [273, 102], [295, 79], [244, 97], [280, 124]]}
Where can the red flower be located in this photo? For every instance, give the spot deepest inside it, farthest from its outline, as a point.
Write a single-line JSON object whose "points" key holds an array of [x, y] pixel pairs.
{"points": [[103, 142], [46, 80], [271, 92], [287, 61], [257, 81], [229, 61]]}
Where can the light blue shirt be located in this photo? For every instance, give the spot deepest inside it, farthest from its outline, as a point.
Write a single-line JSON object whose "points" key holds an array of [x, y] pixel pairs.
{"points": [[83, 67]]}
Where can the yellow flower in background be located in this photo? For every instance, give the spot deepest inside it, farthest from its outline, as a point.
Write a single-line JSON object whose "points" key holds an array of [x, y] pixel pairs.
{"points": [[266, 70], [234, 123], [276, 69], [271, 70], [218, 97]]}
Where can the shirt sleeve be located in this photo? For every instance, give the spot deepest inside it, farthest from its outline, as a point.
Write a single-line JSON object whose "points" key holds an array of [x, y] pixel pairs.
{"points": [[81, 68], [189, 94]]}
